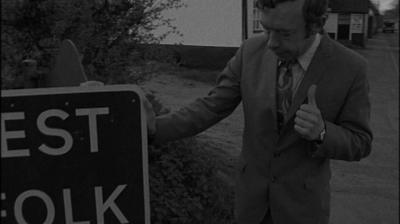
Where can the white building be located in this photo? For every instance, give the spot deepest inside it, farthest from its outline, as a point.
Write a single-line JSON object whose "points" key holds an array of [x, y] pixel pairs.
{"points": [[226, 23], [207, 23]]}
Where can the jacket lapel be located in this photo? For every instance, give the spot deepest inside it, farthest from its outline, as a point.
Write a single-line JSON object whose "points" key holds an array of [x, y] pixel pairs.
{"points": [[314, 73]]}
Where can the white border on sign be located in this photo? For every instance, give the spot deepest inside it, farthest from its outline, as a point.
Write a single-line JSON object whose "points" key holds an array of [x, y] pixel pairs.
{"points": [[94, 89]]}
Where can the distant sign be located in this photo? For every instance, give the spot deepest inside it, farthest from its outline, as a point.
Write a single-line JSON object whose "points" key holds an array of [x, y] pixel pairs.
{"points": [[356, 23], [74, 155]]}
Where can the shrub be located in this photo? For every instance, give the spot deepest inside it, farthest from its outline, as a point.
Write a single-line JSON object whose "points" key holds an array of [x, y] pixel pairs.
{"points": [[185, 186], [185, 181]]}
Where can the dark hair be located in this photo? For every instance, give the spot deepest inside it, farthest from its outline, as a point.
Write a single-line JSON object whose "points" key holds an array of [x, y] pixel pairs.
{"points": [[314, 12]]}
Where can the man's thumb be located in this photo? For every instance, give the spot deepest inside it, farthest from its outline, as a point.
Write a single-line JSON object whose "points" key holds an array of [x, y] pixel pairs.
{"points": [[311, 95]]}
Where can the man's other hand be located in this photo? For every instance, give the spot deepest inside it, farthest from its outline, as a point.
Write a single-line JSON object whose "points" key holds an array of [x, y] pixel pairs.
{"points": [[309, 122]]}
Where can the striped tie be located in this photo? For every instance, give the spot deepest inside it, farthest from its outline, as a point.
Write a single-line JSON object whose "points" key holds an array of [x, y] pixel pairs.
{"points": [[284, 90]]}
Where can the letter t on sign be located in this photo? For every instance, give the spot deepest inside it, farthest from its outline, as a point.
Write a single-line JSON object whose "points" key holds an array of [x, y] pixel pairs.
{"points": [[92, 113]]}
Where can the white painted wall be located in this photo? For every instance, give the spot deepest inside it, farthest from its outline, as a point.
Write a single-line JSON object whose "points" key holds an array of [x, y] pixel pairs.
{"points": [[207, 23], [250, 17], [331, 24]]}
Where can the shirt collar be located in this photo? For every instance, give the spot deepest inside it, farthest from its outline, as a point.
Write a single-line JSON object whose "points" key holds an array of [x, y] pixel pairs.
{"points": [[305, 59]]}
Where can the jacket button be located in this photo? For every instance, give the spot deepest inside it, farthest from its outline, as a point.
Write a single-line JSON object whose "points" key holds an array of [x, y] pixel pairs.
{"points": [[273, 179], [276, 154]]}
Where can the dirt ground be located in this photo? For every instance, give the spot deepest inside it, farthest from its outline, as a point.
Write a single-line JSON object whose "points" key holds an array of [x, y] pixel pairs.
{"points": [[365, 192]]}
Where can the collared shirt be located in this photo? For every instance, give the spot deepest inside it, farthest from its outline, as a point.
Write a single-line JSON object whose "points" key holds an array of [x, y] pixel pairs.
{"points": [[304, 61]]}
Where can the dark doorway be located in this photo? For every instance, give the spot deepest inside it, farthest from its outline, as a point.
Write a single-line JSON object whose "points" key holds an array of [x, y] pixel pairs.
{"points": [[343, 26], [343, 31]]}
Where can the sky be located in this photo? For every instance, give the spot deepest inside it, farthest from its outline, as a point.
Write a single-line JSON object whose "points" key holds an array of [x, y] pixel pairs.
{"points": [[384, 4]]}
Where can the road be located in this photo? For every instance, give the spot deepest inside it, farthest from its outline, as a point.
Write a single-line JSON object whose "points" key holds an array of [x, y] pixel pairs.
{"points": [[367, 192]]}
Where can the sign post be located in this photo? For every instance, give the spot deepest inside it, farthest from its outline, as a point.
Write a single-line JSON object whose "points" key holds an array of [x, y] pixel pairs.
{"points": [[74, 155]]}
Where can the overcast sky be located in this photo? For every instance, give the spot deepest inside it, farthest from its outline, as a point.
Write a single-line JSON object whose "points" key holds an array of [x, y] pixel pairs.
{"points": [[385, 4]]}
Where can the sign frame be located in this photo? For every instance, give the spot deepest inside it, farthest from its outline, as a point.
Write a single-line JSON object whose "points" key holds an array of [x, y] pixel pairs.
{"points": [[102, 89]]}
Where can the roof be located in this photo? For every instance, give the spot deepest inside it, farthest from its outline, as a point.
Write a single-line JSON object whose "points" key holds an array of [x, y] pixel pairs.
{"points": [[374, 9], [349, 6]]}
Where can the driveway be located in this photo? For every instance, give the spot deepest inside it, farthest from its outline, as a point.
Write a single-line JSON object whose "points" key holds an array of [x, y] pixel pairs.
{"points": [[367, 192]]}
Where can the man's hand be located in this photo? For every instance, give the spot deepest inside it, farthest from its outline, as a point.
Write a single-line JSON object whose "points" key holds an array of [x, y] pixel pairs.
{"points": [[309, 122]]}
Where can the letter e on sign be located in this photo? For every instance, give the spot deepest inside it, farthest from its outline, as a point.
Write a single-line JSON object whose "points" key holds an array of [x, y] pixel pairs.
{"points": [[5, 135]]}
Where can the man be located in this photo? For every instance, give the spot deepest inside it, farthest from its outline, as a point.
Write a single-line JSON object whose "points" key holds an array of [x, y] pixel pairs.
{"points": [[305, 100]]}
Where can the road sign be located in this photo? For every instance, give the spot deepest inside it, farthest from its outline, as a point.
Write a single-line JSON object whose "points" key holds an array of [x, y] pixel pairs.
{"points": [[74, 155], [68, 70]]}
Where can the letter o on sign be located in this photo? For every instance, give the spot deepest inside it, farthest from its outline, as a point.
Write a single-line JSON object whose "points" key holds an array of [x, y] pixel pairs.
{"points": [[19, 216]]}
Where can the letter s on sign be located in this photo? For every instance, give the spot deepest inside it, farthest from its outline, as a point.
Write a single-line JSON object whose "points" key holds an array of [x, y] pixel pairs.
{"points": [[41, 124]]}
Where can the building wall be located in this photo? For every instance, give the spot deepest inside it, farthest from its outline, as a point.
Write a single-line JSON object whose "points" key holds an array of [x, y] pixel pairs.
{"points": [[331, 25], [347, 21], [350, 27], [213, 29], [253, 21], [206, 23], [219, 23]]}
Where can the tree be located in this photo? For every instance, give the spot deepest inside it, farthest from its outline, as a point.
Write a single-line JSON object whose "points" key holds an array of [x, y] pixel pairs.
{"points": [[106, 32], [185, 184], [393, 13]]}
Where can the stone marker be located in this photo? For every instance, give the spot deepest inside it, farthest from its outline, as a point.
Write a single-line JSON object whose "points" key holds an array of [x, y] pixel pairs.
{"points": [[68, 70]]}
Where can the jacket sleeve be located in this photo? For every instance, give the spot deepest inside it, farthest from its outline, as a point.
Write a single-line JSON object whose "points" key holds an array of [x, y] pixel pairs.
{"points": [[349, 137], [199, 115]]}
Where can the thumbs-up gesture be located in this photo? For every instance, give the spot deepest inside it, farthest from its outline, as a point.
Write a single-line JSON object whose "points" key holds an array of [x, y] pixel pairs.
{"points": [[309, 122]]}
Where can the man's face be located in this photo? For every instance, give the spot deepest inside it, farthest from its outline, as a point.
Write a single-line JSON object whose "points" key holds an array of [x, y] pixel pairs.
{"points": [[284, 26]]}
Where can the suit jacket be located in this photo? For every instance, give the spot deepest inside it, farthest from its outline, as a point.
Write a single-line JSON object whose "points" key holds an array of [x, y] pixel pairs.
{"points": [[277, 169]]}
